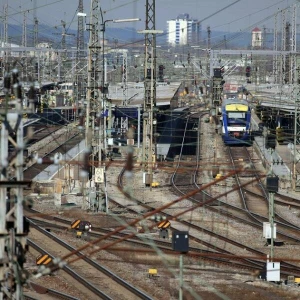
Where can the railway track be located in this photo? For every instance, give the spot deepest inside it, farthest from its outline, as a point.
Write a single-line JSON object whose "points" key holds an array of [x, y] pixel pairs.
{"points": [[183, 180], [199, 197], [107, 275], [190, 168], [255, 197], [44, 290], [162, 245], [32, 171]]}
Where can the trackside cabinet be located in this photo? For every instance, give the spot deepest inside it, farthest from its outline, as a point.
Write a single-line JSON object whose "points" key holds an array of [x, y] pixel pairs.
{"points": [[180, 241], [272, 184], [273, 271]]}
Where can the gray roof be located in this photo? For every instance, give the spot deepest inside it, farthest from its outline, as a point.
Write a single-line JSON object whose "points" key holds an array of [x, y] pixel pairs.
{"points": [[135, 93]]}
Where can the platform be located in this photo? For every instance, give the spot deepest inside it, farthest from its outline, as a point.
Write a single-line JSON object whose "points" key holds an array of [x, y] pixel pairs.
{"points": [[135, 94], [276, 160]]}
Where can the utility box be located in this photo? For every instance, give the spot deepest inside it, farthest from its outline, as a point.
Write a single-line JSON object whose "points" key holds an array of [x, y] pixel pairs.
{"points": [[267, 230], [110, 141], [147, 179], [272, 184], [273, 271], [180, 241]]}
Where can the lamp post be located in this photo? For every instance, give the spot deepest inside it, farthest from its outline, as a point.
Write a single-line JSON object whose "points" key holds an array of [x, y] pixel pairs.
{"points": [[104, 83]]}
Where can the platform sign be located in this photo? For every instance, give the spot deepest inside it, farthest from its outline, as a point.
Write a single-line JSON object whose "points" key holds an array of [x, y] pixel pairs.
{"points": [[43, 259], [99, 175]]}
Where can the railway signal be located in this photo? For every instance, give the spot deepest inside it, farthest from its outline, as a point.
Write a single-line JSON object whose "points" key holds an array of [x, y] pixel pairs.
{"points": [[82, 227], [248, 71], [43, 259], [163, 229], [217, 87]]}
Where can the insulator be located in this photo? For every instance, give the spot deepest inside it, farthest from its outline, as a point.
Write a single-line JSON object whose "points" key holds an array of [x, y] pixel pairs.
{"points": [[31, 93], [86, 160], [81, 121], [18, 91], [15, 76], [129, 162], [7, 82]]}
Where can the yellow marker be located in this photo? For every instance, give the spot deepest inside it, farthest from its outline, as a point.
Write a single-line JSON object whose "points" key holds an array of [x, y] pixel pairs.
{"points": [[43, 259], [152, 272], [75, 224], [164, 224]]}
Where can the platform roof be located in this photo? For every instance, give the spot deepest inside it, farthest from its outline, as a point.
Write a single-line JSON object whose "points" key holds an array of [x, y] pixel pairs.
{"points": [[135, 93]]}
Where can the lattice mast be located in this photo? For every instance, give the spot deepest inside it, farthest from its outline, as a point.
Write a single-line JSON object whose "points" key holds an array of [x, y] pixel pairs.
{"points": [[5, 37], [24, 30], [283, 45], [275, 48], [13, 226], [124, 120], [293, 46], [94, 125], [80, 59], [295, 73], [36, 25], [150, 90]]}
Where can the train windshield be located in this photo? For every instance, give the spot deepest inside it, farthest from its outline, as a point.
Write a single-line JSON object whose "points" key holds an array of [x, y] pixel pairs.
{"points": [[236, 118], [236, 115]]}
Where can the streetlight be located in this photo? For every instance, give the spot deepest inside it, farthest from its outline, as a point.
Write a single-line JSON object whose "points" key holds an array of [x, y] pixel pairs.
{"points": [[104, 84]]}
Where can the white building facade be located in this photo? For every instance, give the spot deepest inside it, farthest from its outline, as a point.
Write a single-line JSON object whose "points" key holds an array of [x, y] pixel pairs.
{"points": [[183, 31], [256, 40]]}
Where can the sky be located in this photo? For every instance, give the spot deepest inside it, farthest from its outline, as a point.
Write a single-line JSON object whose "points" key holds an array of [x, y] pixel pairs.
{"points": [[243, 15]]}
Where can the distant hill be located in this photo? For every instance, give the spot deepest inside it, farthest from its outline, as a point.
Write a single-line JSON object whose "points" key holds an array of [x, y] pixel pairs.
{"points": [[219, 39], [53, 34]]}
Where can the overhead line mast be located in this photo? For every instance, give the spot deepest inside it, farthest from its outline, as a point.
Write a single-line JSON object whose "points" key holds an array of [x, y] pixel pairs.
{"points": [[80, 60], [150, 91], [13, 225], [94, 122], [36, 24]]}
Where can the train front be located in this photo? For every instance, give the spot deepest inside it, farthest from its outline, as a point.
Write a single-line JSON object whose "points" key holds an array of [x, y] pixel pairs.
{"points": [[236, 118]]}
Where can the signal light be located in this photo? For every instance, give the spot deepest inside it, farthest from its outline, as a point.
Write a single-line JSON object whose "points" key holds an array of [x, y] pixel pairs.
{"points": [[248, 71]]}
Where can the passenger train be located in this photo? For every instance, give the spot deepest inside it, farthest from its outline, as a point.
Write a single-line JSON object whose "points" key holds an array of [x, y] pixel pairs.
{"points": [[236, 122]]}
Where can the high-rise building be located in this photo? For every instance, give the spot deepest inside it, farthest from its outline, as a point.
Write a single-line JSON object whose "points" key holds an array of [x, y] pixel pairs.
{"points": [[183, 30]]}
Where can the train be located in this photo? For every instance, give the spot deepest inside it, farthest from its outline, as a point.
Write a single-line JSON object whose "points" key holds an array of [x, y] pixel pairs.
{"points": [[236, 122]]}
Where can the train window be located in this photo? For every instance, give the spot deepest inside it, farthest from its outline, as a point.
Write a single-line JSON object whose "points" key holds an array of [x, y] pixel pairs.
{"points": [[236, 115]]}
